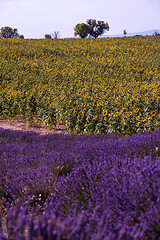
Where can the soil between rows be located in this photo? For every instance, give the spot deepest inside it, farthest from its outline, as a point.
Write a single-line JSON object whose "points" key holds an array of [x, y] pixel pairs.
{"points": [[24, 126]]}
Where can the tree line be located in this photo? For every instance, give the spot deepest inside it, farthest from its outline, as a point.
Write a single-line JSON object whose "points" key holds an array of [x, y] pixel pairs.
{"points": [[8, 32], [92, 28]]}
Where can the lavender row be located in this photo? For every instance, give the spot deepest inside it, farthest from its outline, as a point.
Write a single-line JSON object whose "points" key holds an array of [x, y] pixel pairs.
{"points": [[79, 186]]}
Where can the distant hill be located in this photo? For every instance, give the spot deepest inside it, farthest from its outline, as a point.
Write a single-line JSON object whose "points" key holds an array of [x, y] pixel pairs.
{"points": [[149, 32]]}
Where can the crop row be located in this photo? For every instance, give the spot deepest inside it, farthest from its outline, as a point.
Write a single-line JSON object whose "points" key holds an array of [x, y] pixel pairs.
{"points": [[72, 187], [91, 85]]}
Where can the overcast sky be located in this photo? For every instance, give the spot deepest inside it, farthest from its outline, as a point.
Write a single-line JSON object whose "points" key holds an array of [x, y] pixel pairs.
{"points": [[35, 18]]}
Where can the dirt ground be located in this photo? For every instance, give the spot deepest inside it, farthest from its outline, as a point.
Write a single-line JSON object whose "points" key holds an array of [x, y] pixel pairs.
{"points": [[24, 126]]}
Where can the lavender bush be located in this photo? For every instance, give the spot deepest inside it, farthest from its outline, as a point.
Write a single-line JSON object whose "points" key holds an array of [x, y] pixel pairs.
{"points": [[91, 187]]}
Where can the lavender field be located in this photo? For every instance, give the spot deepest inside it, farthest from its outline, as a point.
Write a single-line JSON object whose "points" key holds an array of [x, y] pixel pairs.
{"points": [[79, 187]]}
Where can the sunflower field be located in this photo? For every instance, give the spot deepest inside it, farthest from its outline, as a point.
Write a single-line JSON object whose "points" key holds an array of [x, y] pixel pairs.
{"points": [[91, 85]]}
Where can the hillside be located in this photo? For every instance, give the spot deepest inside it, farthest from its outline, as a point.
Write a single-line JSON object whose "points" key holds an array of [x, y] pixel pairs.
{"points": [[145, 33]]}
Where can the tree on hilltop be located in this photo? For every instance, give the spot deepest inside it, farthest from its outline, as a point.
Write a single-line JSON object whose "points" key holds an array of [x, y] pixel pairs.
{"points": [[48, 36], [8, 32], [97, 28], [92, 28], [125, 32], [82, 30], [54, 35]]}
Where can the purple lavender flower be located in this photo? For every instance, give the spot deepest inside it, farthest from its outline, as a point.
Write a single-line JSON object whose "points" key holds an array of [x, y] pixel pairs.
{"points": [[89, 187]]}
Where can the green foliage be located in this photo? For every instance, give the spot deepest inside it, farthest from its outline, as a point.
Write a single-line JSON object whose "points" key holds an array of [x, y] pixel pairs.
{"points": [[92, 86], [21, 36], [8, 32], [54, 35], [82, 30], [48, 116], [97, 28], [47, 36], [62, 170], [93, 28]]}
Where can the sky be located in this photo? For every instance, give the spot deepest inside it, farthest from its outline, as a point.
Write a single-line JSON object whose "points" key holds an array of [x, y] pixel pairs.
{"points": [[35, 18]]}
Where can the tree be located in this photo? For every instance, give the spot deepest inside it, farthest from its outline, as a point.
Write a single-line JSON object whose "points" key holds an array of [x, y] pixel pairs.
{"points": [[82, 30], [8, 32], [156, 34], [97, 28], [125, 32], [48, 36], [21, 36], [56, 34]]}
